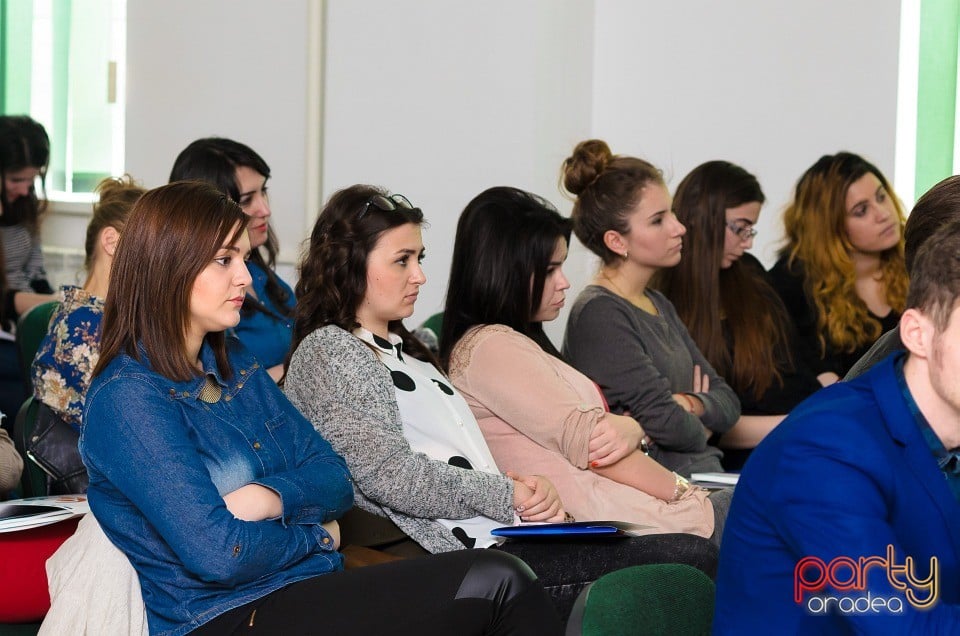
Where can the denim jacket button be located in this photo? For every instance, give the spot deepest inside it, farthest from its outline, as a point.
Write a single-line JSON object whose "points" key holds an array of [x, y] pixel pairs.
{"points": [[256, 445], [236, 550], [243, 372], [326, 540], [186, 394], [227, 398], [240, 385]]}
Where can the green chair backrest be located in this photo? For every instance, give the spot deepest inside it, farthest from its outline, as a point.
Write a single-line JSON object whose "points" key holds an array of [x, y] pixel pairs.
{"points": [[434, 323], [658, 599], [33, 481], [32, 326]]}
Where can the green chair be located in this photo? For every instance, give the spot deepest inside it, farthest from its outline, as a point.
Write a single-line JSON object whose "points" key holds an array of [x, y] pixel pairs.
{"points": [[33, 481], [434, 323], [429, 332], [662, 599], [32, 326]]}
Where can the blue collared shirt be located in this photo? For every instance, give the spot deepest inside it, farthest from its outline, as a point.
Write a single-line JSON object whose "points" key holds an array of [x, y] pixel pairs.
{"points": [[946, 460], [265, 331], [161, 458]]}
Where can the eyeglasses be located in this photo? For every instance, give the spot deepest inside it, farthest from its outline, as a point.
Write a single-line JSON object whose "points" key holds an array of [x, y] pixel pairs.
{"points": [[744, 232], [386, 204]]}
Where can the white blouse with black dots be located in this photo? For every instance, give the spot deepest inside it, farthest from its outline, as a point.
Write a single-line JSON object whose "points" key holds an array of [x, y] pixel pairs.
{"points": [[438, 423]]}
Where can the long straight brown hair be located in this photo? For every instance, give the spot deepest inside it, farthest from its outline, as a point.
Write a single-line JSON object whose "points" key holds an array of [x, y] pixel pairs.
{"points": [[704, 294], [171, 235]]}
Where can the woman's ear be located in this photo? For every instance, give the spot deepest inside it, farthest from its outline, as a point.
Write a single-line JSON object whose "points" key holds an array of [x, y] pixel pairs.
{"points": [[108, 240], [615, 242], [916, 332]]}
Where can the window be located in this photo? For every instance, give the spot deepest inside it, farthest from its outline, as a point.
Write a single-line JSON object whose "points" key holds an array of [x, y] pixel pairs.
{"points": [[928, 147], [62, 62]]}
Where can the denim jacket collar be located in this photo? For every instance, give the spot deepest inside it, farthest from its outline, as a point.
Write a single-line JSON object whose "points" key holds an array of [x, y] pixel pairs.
{"points": [[191, 388]]}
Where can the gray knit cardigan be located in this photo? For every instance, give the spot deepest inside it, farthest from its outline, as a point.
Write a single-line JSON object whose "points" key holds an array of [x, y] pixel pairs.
{"points": [[338, 383]]}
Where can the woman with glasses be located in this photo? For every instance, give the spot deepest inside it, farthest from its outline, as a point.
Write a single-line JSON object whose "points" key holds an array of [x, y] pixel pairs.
{"points": [[841, 274], [722, 295], [628, 337], [266, 322], [419, 461], [218, 491]]}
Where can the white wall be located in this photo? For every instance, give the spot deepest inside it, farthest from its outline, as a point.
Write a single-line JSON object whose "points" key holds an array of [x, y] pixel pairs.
{"points": [[231, 68], [771, 86], [440, 99]]}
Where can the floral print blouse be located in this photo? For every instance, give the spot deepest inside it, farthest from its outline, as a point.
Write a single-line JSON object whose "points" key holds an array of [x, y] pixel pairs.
{"points": [[68, 354]]}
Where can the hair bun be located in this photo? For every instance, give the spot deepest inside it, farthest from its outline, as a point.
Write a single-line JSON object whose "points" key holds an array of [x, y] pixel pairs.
{"points": [[117, 186], [588, 161]]}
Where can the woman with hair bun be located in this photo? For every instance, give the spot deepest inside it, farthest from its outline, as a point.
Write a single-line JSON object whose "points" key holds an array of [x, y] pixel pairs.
{"points": [[722, 294], [628, 337], [841, 273], [70, 350]]}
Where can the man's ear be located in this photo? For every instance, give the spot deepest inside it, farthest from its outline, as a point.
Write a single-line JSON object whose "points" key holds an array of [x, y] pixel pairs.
{"points": [[615, 242], [108, 239], [916, 332]]}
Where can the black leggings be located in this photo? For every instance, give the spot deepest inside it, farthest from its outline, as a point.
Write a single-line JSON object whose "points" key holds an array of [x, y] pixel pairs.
{"points": [[464, 592], [565, 567]]}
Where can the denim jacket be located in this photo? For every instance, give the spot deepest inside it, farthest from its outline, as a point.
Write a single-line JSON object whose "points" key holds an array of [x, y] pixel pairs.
{"points": [[161, 458]]}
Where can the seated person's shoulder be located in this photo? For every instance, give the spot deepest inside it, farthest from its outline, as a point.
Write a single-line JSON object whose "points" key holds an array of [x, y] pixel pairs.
{"points": [[842, 422], [753, 264], [329, 346], [883, 347]]}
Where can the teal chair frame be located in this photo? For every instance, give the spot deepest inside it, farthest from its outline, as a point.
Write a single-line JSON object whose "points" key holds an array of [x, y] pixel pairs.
{"points": [[32, 326]]}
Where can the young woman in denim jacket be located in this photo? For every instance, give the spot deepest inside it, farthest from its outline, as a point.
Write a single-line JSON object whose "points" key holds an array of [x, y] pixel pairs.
{"points": [[266, 320], [216, 488]]}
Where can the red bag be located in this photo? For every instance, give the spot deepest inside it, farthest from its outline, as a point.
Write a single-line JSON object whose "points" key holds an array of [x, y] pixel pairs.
{"points": [[23, 576]]}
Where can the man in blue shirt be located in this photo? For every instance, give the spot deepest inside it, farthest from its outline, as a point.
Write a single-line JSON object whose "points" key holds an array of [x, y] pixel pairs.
{"points": [[846, 518]]}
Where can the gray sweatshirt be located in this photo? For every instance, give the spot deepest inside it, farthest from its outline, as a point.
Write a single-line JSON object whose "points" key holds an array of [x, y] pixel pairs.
{"points": [[639, 360]]}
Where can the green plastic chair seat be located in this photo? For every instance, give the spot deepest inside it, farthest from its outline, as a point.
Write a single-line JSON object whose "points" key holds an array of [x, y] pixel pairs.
{"points": [[662, 599]]}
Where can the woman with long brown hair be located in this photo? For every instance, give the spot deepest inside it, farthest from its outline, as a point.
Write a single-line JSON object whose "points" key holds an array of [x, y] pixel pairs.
{"points": [[841, 273], [722, 294]]}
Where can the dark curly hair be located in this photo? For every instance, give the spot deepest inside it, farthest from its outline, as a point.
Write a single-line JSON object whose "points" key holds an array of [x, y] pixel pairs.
{"points": [[333, 270]]}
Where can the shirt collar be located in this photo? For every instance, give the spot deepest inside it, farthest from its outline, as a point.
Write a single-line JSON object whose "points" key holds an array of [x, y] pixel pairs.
{"points": [[947, 460], [393, 346]]}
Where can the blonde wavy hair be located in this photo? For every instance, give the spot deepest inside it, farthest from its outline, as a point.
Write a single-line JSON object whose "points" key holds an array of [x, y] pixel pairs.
{"points": [[816, 237]]}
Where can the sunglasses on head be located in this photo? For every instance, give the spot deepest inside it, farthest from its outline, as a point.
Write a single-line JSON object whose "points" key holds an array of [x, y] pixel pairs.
{"points": [[386, 204]]}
